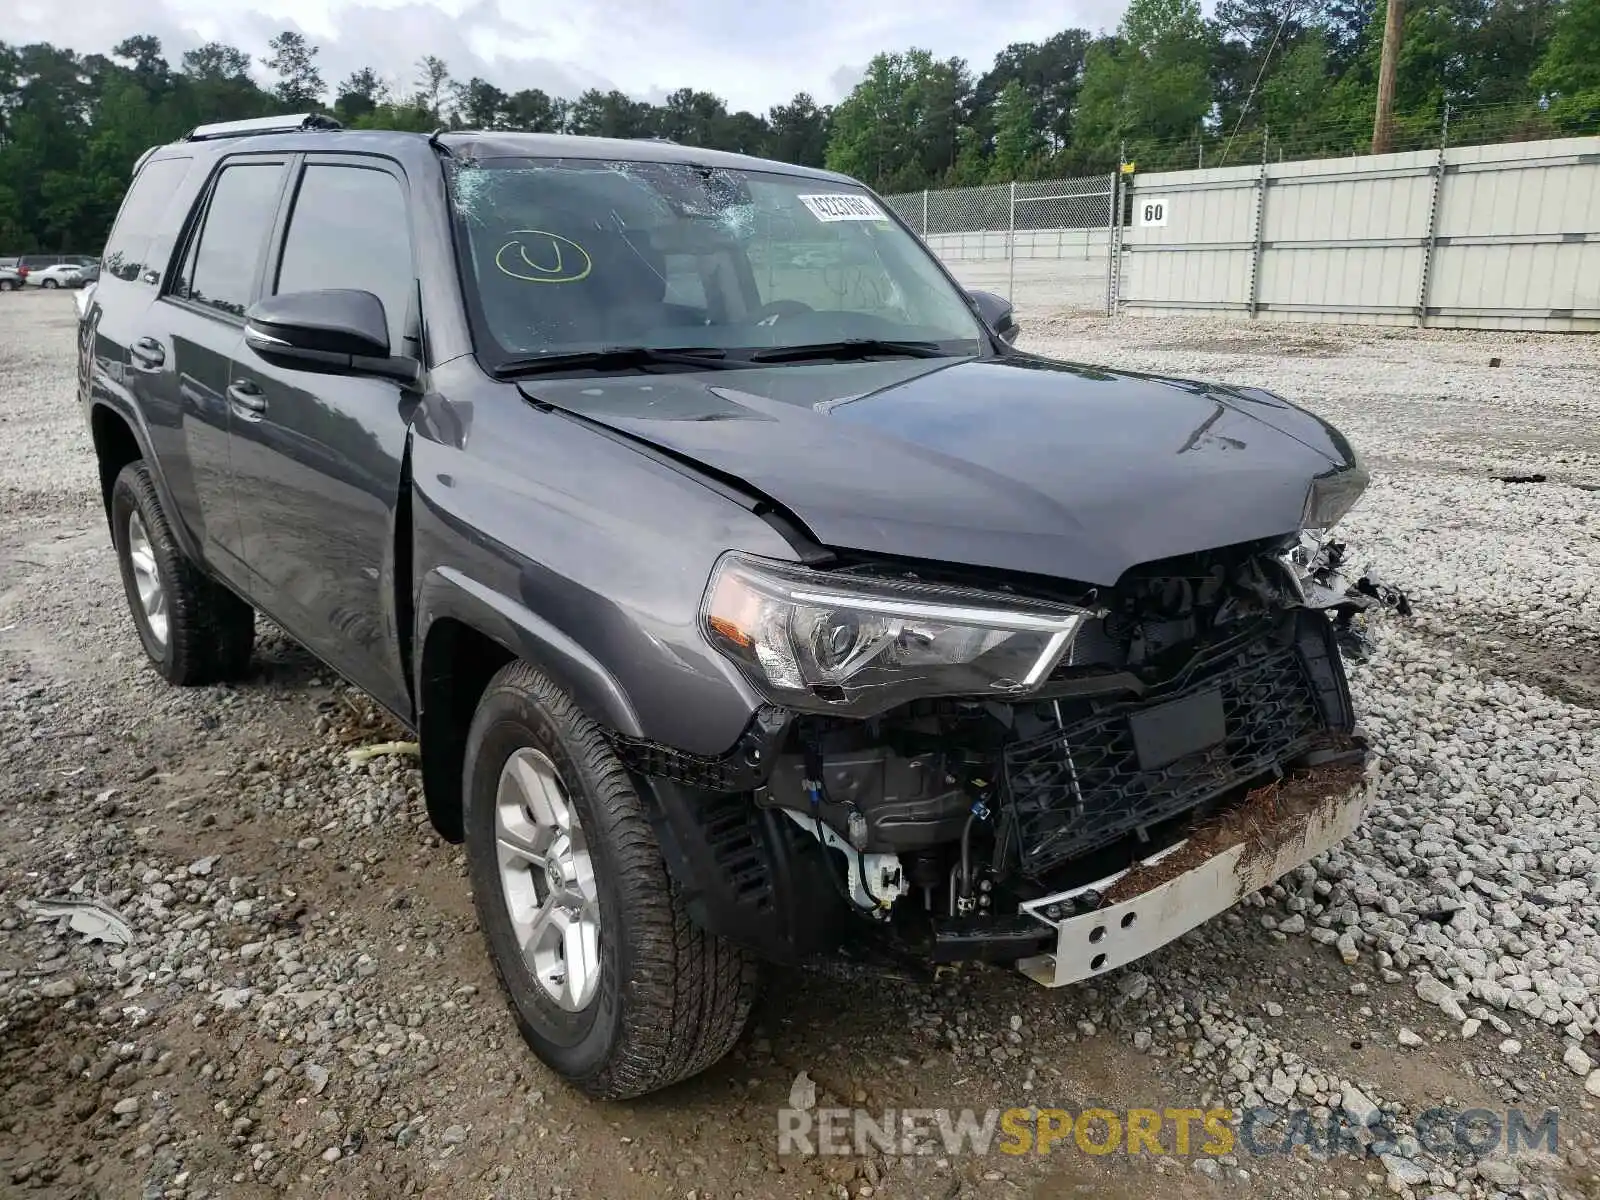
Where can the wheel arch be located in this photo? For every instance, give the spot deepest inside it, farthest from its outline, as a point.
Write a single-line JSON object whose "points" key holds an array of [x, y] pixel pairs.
{"points": [[119, 439], [466, 632], [115, 446]]}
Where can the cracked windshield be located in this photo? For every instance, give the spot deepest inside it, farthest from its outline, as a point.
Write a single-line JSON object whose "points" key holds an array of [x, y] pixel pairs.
{"points": [[579, 255]]}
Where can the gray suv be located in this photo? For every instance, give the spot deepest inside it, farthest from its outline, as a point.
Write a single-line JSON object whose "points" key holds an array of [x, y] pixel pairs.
{"points": [[750, 594]]}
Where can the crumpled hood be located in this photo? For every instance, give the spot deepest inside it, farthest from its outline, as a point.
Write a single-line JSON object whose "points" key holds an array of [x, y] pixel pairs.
{"points": [[1014, 464]]}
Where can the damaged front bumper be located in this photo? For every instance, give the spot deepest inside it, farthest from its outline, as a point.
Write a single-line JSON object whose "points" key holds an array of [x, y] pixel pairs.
{"points": [[1163, 897]]}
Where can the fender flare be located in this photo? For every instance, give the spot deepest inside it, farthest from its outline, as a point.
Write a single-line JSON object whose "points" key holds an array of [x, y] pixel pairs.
{"points": [[447, 592], [134, 419]]}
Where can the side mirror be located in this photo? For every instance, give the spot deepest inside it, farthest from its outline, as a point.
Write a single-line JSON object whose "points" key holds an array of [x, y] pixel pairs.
{"points": [[336, 331], [997, 314]]}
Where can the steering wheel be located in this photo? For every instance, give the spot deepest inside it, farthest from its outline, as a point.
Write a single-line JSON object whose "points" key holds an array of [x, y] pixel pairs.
{"points": [[774, 310]]}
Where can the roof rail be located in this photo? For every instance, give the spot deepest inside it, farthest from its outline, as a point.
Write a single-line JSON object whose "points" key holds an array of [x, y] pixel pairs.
{"points": [[293, 123]]}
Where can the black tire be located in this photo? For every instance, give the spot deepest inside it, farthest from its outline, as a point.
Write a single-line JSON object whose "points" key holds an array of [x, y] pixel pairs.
{"points": [[671, 999], [210, 631], [8, 285], [48, 283]]}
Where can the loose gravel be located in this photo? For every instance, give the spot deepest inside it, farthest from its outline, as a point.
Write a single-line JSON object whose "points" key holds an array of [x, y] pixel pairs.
{"points": [[304, 1004]]}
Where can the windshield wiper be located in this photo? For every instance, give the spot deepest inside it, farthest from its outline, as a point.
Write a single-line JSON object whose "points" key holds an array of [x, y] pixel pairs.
{"points": [[619, 358], [850, 348]]}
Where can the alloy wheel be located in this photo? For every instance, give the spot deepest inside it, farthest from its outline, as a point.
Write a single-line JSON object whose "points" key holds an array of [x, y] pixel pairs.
{"points": [[547, 878], [147, 578]]}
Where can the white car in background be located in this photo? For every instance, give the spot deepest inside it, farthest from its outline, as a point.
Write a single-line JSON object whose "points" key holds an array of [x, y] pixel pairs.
{"points": [[58, 276]]}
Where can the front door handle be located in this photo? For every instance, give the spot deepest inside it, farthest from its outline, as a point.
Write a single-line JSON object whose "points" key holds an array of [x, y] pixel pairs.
{"points": [[248, 396], [148, 353]]}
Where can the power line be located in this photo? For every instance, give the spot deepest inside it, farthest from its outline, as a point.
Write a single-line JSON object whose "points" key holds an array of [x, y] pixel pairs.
{"points": [[1287, 13]]}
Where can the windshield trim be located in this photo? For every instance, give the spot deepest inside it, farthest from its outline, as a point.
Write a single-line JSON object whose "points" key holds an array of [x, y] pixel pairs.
{"points": [[491, 356]]}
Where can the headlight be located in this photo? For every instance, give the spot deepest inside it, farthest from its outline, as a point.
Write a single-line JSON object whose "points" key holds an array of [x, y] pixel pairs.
{"points": [[837, 643], [1333, 495]]}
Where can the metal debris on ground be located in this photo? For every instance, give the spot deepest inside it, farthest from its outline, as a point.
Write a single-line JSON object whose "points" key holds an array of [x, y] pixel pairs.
{"points": [[95, 921]]}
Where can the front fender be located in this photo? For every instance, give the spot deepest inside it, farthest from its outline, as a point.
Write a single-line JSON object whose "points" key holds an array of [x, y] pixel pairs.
{"points": [[447, 593], [581, 553]]}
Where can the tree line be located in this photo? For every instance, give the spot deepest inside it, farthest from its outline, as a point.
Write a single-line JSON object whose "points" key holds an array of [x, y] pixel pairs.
{"points": [[1169, 87]]}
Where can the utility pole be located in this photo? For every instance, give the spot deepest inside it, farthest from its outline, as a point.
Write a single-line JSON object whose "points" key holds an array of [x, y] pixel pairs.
{"points": [[1383, 120]]}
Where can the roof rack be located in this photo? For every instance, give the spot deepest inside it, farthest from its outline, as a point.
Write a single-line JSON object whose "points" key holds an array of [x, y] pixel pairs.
{"points": [[293, 123]]}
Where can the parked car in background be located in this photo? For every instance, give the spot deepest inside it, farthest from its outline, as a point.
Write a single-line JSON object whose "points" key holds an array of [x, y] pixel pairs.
{"points": [[59, 275], [84, 296], [10, 278]]}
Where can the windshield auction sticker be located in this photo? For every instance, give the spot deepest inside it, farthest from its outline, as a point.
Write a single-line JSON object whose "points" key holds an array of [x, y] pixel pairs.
{"points": [[842, 208]]}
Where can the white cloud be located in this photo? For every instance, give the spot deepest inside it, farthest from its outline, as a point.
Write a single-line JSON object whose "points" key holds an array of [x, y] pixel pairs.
{"points": [[753, 53]]}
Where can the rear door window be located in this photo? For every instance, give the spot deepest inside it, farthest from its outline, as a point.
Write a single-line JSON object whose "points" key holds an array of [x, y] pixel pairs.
{"points": [[143, 215], [223, 262]]}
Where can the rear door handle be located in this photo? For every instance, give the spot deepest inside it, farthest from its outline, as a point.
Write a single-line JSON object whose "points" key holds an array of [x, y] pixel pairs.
{"points": [[148, 352], [248, 396]]}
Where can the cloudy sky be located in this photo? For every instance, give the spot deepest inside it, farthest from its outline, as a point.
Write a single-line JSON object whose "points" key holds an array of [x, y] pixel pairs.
{"points": [[753, 53]]}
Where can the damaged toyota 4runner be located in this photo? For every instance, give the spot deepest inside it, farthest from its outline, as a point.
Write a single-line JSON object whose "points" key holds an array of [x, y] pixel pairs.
{"points": [[752, 597]]}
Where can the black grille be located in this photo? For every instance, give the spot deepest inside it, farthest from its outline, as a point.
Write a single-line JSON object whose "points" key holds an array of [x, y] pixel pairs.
{"points": [[1077, 788]]}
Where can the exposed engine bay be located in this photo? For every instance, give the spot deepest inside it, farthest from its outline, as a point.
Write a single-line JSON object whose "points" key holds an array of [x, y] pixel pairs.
{"points": [[1197, 682]]}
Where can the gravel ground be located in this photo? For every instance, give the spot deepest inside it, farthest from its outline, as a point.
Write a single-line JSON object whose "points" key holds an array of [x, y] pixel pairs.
{"points": [[305, 1007]]}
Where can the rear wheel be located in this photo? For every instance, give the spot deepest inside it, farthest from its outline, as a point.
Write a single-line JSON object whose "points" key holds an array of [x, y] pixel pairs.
{"points": [[194, 630], [8, 285], [612, 986], [48, 283]]}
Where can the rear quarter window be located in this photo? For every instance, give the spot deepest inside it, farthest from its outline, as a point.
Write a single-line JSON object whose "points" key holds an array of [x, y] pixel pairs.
{"points": [[143, 216]]}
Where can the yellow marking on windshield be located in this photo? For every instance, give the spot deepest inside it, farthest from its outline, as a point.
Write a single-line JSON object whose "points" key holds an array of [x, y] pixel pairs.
{"points": [[561, 270]]}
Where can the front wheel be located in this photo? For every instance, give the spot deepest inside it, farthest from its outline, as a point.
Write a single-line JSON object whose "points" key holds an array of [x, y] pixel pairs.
{"points": [[611, 984], [49, 283]]}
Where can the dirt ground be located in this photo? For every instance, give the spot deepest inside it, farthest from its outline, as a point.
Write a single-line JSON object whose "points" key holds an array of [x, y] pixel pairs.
{"points": [[307, 1009]]}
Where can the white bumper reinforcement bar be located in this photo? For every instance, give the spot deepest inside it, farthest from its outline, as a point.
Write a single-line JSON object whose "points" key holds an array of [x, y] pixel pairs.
{"points": [[1095, 942]]}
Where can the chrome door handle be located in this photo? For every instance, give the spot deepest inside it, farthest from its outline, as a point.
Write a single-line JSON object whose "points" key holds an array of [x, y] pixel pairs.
{"points": [[248, 396]]}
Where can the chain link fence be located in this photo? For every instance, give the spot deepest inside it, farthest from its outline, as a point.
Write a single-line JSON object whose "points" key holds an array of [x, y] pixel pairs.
{"points": [[1044, 244]]}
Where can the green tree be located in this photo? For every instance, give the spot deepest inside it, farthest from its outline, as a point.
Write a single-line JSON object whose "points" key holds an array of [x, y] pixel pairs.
{"points": [[1016, 138], [1509, 43], [690, 117], [1050, 72], [408, 116], [534, 111], [899, 127], [215, 62], [798, 131], [481, 105], [151, 75], [972, 160], [1569, 71], [1293, 95], [742, 133], [299, 85], [611, 114], [1149, 83], [360, 93], [215, 85], [433, 85]]}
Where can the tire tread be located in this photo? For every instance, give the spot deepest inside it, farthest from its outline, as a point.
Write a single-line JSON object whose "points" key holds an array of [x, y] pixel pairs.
{"points": [[691, 992], [210, 631]]}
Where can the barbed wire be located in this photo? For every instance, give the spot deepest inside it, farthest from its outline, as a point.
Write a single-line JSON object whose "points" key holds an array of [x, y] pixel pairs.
{"points": [[1269, 141]]}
